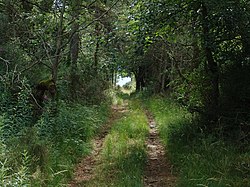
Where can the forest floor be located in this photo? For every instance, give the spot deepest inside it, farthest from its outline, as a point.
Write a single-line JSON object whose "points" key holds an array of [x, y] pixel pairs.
{"points": [[158, 170]]}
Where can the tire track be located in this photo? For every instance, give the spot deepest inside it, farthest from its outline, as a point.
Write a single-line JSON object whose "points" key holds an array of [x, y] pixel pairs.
{"points": [[158, 171], [85, 170]]}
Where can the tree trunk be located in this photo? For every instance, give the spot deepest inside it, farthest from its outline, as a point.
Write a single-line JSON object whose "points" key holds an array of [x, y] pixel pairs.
{"points": [[243, 29], [58, 44], [98, 34], [245, 39], [163, 76], [96, 55], [74, 48], [137, 83], [212, 100], [112, 78], [115, 78], [139, 78]]}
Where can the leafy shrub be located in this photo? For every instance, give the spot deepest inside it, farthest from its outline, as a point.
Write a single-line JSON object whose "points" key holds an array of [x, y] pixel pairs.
{"points": [[42, 150], [67, 132], [9, 175], [17, 109], [71, 121], [89, 86]]}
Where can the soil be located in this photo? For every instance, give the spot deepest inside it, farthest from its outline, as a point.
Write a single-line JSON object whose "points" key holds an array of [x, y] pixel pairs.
{"points": [[158, 171], [84, 171]]}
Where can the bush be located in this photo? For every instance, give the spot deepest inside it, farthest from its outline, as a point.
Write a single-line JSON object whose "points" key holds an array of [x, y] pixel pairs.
{"points": [[9, 175], [67, 133], [17, 110], [41, 150]]}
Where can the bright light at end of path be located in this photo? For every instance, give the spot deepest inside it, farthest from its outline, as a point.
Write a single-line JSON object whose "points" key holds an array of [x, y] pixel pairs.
{"points": [[121, 81]]}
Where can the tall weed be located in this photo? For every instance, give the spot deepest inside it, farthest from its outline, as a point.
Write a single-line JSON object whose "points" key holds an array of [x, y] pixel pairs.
{"points": [[52, 144], [9, 175], [17, 110], [68, 133]]}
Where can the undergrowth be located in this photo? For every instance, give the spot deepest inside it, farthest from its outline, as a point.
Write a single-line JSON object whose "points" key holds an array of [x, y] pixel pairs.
{"points": [[200, 159], [43, 152], [124, 153]]}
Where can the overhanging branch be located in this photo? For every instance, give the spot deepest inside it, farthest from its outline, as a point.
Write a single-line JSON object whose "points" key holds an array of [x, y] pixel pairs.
{"points": [[92, 22]]}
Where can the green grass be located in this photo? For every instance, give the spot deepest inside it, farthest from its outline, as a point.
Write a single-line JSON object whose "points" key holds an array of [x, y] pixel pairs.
{"points": [[45, 154], [199, 159], [124, 153]]}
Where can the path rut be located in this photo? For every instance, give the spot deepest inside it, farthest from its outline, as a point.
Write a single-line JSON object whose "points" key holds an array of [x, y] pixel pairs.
{"points": [[158, 171], [85, 170]]}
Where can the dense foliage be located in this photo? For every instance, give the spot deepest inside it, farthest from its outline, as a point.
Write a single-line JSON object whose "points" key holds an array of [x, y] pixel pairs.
{"points": [[198, 51], [200, 159], [59, 59], [53, 86]]}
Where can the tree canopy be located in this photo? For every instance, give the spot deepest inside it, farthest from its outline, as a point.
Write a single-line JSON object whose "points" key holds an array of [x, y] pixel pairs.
{"points": [[60, 61], [195, 51]]}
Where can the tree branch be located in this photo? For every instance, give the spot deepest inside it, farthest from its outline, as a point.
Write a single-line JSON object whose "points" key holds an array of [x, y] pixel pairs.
{"points": [[92, 22], [6, 63], [107, 11]]}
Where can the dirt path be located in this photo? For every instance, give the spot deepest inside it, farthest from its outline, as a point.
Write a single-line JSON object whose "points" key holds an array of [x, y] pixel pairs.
{"points": [[158, 172], [84, 171]]}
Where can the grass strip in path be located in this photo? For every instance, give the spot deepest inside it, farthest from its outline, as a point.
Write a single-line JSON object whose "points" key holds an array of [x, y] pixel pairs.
{"points": [[123, 156]]}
